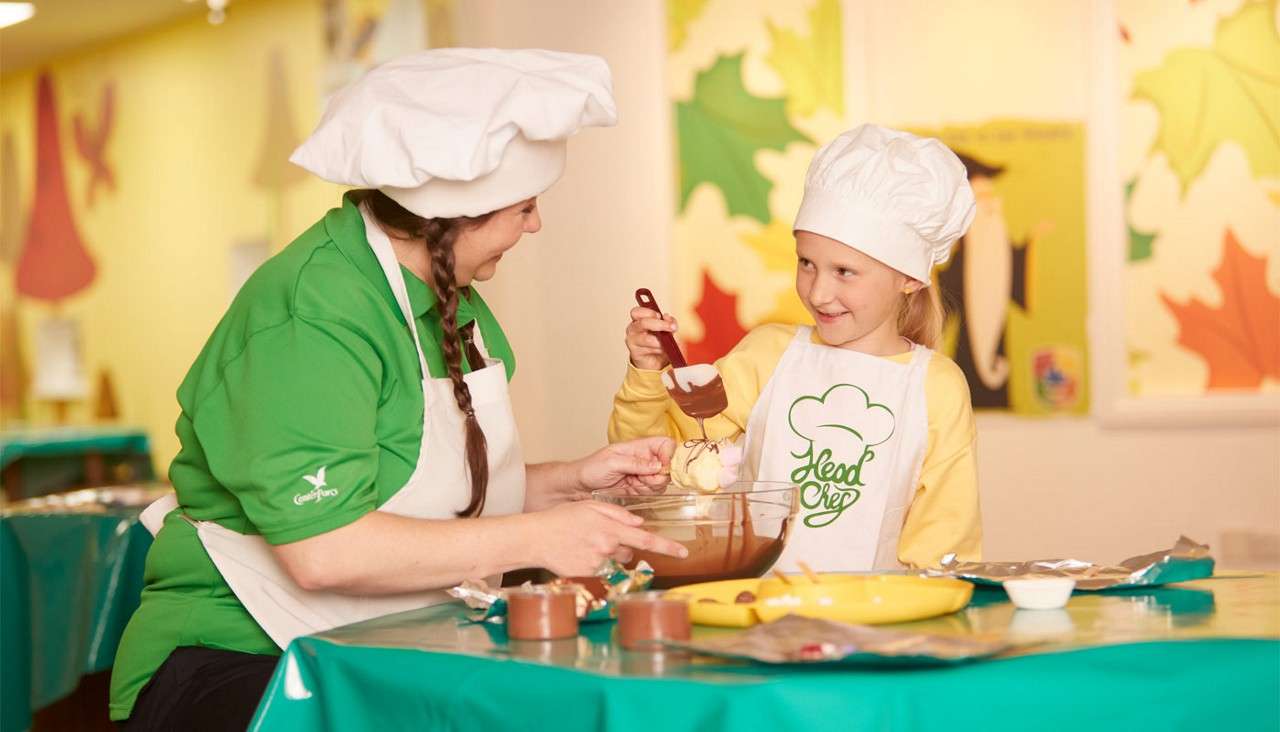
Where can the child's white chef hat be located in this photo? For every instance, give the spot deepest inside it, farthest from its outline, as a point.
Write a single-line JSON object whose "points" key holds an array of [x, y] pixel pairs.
{"points": [[460, 131], [893, 196]]}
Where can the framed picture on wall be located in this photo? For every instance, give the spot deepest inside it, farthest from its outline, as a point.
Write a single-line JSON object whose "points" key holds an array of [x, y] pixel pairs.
{"points": [[1185, 226]]}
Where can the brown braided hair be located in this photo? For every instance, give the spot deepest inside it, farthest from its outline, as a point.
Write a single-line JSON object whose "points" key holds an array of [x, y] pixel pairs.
{"points": [[440, 236]]}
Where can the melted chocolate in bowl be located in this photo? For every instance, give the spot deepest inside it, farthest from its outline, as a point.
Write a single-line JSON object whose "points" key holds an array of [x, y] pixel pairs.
{"points": [[737, 533]]}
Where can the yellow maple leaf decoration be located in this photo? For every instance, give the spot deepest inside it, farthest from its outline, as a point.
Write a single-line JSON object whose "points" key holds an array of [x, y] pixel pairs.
{"points": [[680, 13], [777, 249], [775, 244], [812, 67], [1230, 91]]}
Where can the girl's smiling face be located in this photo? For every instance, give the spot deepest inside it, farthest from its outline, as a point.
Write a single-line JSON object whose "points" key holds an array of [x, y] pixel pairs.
{"points": [[854, 299]]}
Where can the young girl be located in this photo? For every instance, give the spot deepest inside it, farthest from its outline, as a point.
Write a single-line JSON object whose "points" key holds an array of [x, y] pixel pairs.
{"points": [[875, 428]]}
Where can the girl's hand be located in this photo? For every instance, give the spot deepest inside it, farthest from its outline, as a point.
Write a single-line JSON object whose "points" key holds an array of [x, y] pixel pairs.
{"points": [[642, 344], [577, 538], [637, 466]]}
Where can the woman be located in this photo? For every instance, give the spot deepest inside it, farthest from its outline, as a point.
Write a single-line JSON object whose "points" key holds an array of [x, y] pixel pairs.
{"points": [[348, 447]]}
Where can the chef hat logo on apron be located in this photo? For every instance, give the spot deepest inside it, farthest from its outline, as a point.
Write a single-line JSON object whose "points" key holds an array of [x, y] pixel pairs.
{"points": [[838, 429], [850, 431]]}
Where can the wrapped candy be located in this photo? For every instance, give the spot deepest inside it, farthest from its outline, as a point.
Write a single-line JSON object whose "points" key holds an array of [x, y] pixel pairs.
{"points": [[1186, 560], [593, 595]]}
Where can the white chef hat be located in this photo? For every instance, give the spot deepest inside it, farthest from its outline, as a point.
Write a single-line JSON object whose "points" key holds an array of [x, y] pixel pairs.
{"points": [[460, 131], [901, 199]]}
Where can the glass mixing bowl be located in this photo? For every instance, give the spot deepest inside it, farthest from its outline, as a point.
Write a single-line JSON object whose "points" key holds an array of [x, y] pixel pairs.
{"points": [[736, 533]]}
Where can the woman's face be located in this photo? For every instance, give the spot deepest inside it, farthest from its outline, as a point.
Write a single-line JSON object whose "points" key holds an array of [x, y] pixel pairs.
{"points": [[477, 249]]}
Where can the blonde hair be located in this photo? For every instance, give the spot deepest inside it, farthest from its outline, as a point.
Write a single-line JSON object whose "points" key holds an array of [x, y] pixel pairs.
{"points": [[921, 317]]}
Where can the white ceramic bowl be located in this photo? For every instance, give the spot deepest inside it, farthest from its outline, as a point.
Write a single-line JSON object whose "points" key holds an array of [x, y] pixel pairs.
{"points": [[1049, 593]]}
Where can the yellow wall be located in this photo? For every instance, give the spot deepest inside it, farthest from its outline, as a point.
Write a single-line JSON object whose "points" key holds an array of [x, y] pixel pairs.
{"points": [[190, 117], [191, 105]]}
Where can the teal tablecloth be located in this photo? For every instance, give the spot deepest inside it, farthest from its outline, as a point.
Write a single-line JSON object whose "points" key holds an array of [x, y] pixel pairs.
{"points": [[1203, 655], [69, 582], [59, 441]]}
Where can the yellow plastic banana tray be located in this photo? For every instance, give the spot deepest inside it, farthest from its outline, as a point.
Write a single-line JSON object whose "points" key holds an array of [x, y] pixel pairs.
{"points": [[847, 598]]}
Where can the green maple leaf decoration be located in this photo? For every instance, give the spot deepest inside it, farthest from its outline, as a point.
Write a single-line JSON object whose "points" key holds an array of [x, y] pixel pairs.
{"points": [[1230, 91], [1140, 245], [1139, 241], [812, 67], [719, 132]]}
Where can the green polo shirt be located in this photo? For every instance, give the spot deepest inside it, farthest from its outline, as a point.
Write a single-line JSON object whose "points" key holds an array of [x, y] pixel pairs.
{"points": [[312, 368]]}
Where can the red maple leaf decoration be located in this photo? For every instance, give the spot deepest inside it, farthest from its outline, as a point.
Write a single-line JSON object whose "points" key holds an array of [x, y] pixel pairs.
{"points": [[721, 330], [54, 263], [1240, 339]]}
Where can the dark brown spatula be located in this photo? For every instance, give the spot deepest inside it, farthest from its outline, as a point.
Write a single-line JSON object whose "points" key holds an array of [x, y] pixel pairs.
{"points": [[699, 402], [665, 339]]}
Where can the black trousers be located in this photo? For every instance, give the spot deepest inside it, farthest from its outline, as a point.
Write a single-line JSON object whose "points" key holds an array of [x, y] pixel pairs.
{"points": [[203, 690]]}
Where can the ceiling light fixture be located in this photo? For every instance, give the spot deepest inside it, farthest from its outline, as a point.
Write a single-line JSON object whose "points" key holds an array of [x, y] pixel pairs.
{"points": [[217, 11], [15, 13]]}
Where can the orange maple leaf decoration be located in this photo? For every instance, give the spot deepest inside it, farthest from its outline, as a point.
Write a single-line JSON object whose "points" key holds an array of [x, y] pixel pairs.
{"points": [[721, 330], [1240, 339]]}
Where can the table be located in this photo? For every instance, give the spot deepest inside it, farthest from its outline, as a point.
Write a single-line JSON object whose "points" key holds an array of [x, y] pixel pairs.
{"points": [[69, 582], [1199, 655], [37, 461]]}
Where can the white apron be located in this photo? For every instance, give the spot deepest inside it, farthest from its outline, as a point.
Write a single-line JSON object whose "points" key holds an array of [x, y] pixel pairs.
{"points": [[438, 488], [850, 429]]}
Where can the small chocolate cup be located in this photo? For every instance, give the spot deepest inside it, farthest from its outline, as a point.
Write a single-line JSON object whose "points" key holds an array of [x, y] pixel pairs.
{"points": [[542, 613], [645, 619]]}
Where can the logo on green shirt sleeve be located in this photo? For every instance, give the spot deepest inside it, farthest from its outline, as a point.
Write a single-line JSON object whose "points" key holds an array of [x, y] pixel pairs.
{"points": [[318, 490], [839, 428]]}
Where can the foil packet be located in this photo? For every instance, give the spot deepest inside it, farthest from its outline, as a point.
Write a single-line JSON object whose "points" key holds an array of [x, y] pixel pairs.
{"points": [[595, 594], [794, 639], [89, 500], [1185, 561]]}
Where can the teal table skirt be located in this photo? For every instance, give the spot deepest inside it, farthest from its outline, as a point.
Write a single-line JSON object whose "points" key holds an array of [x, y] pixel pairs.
{"points": [[1199, 656], [70, 582]]}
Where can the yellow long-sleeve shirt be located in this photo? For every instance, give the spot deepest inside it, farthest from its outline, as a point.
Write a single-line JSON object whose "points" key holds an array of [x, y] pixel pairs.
{"points": [[944, 516]]}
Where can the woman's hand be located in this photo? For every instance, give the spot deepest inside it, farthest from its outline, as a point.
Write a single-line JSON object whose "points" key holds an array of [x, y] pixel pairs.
{"points": [[577, 538], [637, 466], [642, 344]]}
